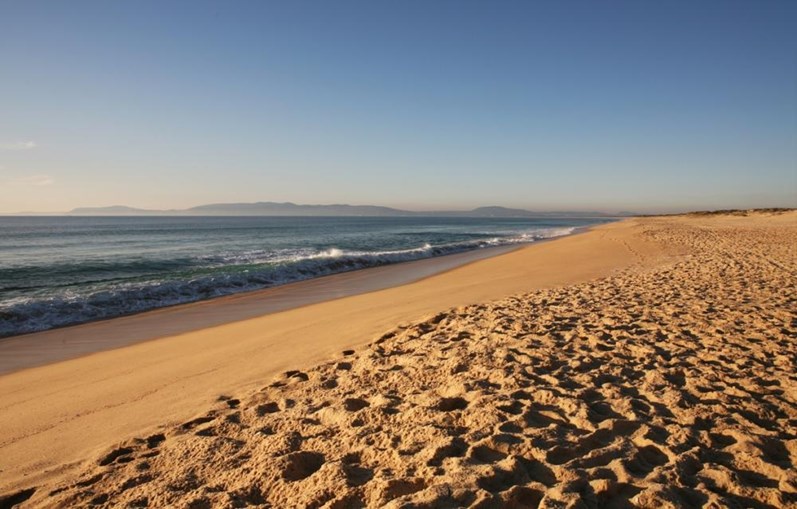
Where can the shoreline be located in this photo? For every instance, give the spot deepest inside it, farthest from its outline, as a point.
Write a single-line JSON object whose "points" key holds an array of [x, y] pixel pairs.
{"points": [[57, 416], [30, 314], [34, 349], [40, 348]]}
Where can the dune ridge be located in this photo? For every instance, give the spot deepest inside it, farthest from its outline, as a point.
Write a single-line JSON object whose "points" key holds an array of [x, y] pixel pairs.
{"points": [[660, 385]]}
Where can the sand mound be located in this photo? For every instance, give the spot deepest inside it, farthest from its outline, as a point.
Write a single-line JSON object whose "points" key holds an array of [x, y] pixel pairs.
{"points": [[665, 387]]}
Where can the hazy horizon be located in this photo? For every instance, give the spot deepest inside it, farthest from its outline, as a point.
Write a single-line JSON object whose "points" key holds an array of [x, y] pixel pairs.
{"points": [[617, 106], [430, 208]]}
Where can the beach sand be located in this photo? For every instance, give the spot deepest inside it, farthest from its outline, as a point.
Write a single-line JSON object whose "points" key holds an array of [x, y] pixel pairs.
{"points": [[645, 363]]}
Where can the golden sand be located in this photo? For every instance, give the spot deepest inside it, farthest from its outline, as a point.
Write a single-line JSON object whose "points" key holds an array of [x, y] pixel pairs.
{"points": [[646, 363]]}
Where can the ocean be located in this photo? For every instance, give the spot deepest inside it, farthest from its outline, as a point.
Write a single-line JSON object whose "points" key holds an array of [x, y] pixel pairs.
{"points": [[57, 271]]}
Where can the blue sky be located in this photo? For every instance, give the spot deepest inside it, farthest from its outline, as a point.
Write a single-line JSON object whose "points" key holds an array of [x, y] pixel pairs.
{"points": [[544, 105]]}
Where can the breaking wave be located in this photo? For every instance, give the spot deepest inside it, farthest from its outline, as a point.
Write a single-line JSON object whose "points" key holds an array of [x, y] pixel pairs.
{"points": [[221, 275]]}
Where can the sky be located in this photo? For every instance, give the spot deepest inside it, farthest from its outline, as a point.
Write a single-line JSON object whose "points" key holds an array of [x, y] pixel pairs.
{"points": [[548, 105]]}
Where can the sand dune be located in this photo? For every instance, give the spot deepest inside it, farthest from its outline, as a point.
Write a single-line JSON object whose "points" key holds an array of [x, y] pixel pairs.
{"points": [[666, 382]]}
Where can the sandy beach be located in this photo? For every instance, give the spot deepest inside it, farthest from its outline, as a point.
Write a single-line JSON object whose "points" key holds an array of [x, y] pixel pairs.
{"points": [[648, 363]]}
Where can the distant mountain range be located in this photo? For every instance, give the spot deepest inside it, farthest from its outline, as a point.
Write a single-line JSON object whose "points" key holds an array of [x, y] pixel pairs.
{"points": [[293, 209]]}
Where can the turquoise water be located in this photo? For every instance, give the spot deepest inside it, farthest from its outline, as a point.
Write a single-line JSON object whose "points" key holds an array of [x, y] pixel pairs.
{"points": [[57, 271]]}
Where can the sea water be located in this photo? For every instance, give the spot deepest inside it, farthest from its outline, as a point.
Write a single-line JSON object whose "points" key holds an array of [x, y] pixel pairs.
{"points": [[57, 271]]}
